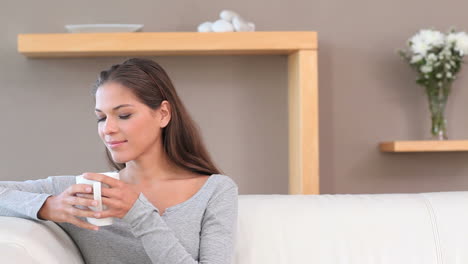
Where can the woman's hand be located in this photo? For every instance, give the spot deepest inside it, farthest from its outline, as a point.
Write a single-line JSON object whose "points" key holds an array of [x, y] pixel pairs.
{"points": [[119, 198], [61, 208]]}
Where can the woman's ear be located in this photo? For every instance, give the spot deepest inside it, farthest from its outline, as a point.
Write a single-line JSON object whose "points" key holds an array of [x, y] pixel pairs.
{"points": [[165, 113]]}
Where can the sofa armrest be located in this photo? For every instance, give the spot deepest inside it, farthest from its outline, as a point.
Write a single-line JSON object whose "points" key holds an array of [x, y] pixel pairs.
{"points": [[28, 241]]}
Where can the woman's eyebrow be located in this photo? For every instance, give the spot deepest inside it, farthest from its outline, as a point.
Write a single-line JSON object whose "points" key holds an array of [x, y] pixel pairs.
{"points": [[115, 108]]}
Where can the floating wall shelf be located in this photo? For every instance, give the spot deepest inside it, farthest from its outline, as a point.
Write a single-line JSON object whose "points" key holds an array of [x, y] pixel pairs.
{"points": [[424, 146], [164, 43], [299, 46]]}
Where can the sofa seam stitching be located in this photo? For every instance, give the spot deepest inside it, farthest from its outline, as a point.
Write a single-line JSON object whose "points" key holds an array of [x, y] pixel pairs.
{"points": [[435, 228]]}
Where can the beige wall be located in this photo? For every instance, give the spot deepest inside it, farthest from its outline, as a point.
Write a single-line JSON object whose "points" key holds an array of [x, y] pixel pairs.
{"points": [[367, 93]]}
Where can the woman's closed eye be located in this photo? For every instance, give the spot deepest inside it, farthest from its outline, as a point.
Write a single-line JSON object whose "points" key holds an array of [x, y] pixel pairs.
{"points": [[121, 117]]}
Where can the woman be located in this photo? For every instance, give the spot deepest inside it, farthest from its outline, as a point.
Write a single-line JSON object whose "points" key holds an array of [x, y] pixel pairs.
{"points": [[171, 204]]}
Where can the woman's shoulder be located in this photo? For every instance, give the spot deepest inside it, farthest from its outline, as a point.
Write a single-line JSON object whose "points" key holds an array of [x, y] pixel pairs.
{"points": [[224, 183]]}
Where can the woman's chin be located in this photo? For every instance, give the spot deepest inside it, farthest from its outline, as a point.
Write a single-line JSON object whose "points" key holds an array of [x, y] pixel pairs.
{"points": [[120, 159]]}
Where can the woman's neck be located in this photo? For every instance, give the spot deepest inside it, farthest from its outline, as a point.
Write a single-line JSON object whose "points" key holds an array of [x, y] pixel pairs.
{"points": [[151, 167]]}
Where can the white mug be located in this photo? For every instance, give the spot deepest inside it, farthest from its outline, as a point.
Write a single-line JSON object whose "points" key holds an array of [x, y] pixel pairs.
{"points": [[97, 196]]}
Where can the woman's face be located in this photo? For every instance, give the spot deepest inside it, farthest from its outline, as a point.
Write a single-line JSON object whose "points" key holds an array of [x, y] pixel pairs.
{"points": [[128, 127]]}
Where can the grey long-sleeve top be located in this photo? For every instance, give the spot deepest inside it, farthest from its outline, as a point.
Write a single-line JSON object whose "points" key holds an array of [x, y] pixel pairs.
{"points": [[200, 230]]}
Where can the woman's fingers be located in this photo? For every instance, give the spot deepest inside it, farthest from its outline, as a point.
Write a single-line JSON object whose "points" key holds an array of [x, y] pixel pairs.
{"points": [[84, 195], [110, 203], [74, 200], [80, 212], [105, 213], [83, 224], [113, 207], [105, 192], [68, 206], [102, 178], [111, 193], [79, 188]]}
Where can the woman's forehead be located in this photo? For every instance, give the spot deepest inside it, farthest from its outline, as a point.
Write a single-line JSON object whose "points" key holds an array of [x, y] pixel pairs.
{"points": [[113, 89], [112, 95]]}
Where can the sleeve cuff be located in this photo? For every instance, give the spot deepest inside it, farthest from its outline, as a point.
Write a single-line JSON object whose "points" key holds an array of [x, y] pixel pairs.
{"points": [[35, 210]]}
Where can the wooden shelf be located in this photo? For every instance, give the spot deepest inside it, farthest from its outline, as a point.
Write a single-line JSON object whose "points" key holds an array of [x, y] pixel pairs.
{"points": [[424, 146], [299, 46], [165, 43]]}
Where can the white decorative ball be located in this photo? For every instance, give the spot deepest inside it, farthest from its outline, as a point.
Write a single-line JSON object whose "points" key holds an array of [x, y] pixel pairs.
{"points": [[205, 27], [227, 15], [222, 26], [240, 24], [251, 26]]}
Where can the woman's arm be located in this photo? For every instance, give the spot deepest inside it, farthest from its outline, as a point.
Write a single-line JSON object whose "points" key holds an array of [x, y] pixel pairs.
{"points": [[219, 228], [216, 238], [24, 199]]}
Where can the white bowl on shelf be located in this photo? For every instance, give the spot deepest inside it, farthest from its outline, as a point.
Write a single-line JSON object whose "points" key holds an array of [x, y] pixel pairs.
{"points": [[93, 28]]}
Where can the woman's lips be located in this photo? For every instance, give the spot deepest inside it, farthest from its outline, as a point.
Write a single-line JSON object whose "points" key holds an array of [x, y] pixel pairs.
{"points": [[114, 144]]}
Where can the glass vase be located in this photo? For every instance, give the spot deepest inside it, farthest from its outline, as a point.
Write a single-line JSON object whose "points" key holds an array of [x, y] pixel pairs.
{"points": [[437, 103]]}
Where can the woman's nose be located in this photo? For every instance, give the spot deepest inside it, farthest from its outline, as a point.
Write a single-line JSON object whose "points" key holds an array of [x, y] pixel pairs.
{"points": [[110, 126]]}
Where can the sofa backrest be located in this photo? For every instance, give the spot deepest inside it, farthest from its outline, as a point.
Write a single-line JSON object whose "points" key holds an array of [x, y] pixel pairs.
{"points": [[362, 229], [427, 228]]}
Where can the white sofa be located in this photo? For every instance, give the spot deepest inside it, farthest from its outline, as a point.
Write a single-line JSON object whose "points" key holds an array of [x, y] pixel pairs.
{"points": [[425, 228]]}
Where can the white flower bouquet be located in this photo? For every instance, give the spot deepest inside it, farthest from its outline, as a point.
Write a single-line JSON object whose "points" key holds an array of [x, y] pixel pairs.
{"points": [[437, 58]]}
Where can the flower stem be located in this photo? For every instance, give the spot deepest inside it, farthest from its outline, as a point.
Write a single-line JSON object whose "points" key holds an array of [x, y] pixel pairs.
{"points": [[438, 96]]}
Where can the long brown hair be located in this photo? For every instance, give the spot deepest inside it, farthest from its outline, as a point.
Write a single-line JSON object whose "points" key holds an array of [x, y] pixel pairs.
{"points": [[181, 138]]}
